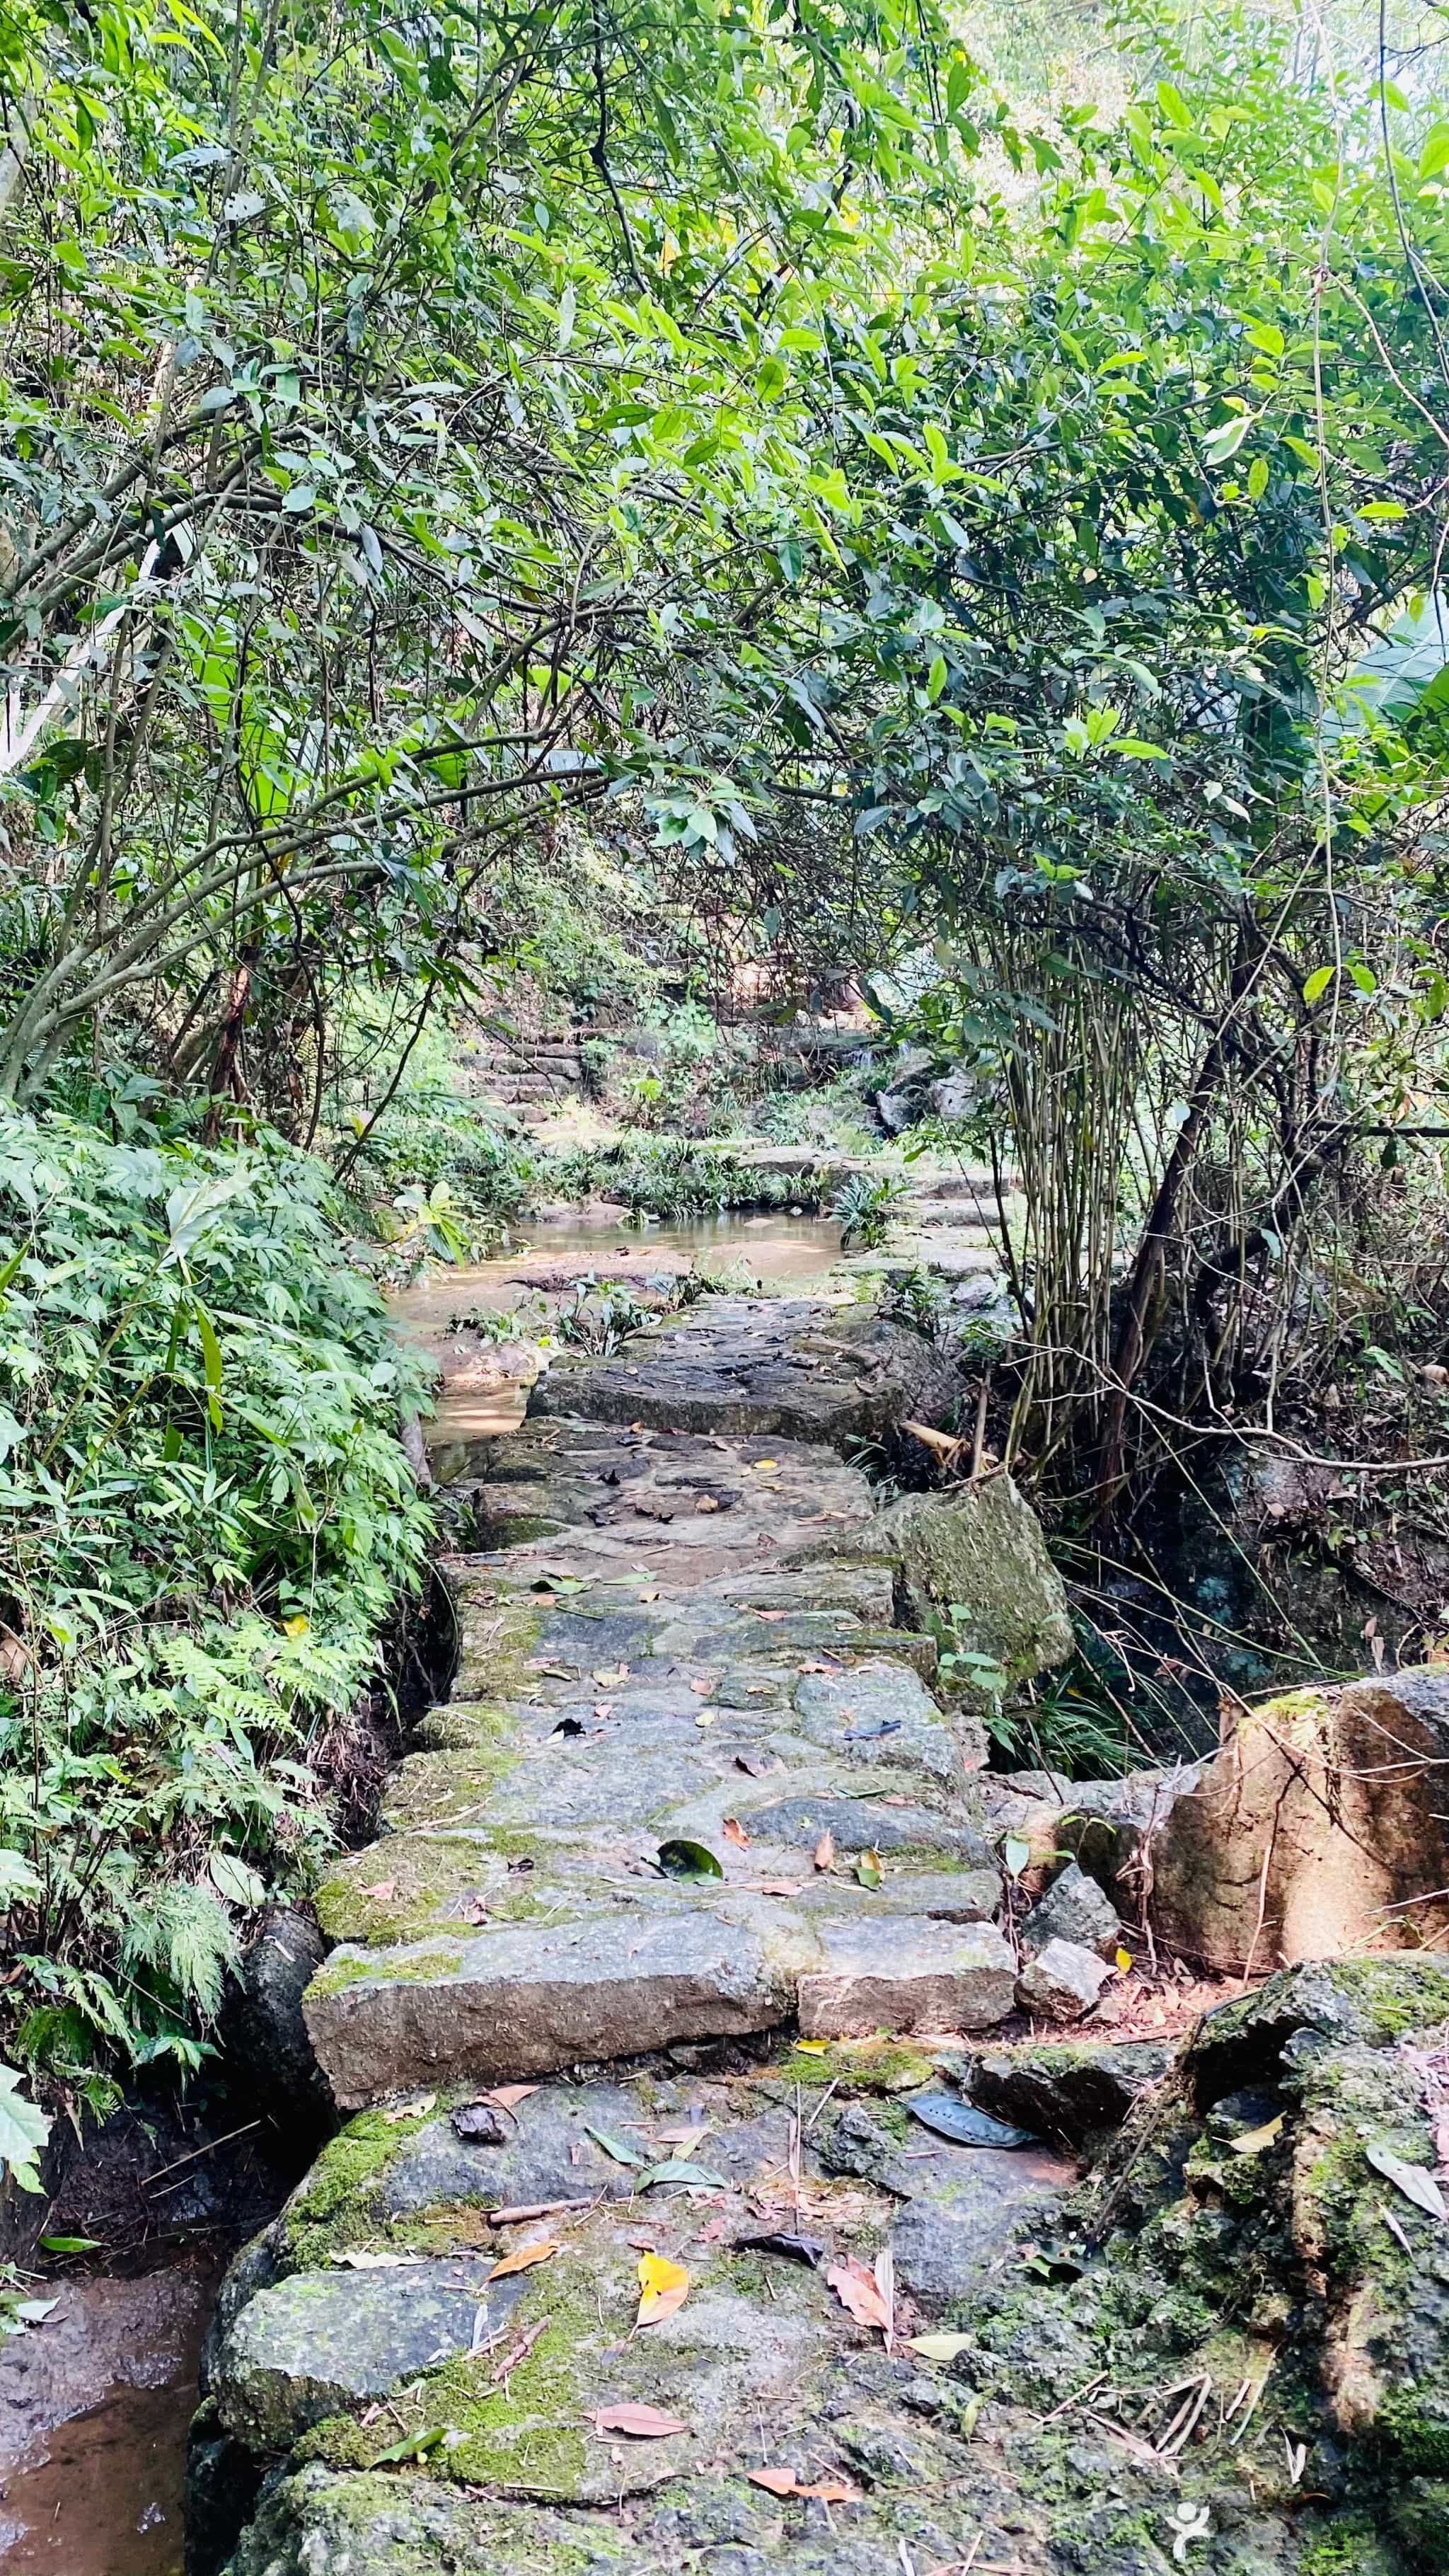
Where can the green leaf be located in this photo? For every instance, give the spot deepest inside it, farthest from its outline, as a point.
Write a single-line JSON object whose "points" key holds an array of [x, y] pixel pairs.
{"points": [[1226, 439], [23, 2132], [614, 2147], [211, 1362], [936, 678], [680, 1858], [70, 2244], [1435, 155], [1317, 984], [1016, 1853], [18, 1881], [1173, 105], [681, 2169], [1257, 478], [413, 2446], [236, 1880]]}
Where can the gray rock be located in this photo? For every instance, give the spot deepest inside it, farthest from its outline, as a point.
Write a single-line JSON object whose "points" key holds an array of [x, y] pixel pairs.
{"points": [[879, 1712], [1074, 1908], [1075, 2092], [897, 1974], [866, 1824], [1062, 1982], [981, 1555], [965, 2203], [319, 2341], [265, 2026], [525, 2000]]}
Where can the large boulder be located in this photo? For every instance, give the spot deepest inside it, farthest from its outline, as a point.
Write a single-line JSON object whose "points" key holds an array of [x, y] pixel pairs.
{"points": [[979, 1558], [1319, 1828]]}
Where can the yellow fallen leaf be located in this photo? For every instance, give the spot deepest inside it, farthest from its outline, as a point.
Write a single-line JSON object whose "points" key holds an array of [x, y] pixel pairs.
{"points": [[523, 2258], [297, 1627], [825, 1852], [763, 1463], [937, 2347], [1124, 1960], [663, 2288], [810, 2047], [1253, 2142]]}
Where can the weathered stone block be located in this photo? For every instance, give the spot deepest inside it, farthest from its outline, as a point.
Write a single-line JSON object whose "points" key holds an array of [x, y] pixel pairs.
{"points": [[1063, 1981], [904, 1974]]}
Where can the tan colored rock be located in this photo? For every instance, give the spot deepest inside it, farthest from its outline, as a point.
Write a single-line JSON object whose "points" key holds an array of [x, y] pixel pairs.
{"points": [[907, 1974], [1319, 1829], [1062, 1982]]}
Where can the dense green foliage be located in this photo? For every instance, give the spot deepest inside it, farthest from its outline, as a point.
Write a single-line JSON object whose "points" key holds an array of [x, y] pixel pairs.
{"points": [[501, 492], [205, 1517]]}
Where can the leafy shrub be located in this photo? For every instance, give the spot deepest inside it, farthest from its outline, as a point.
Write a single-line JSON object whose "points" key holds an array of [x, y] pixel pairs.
{"points": [[205, 1519], [867, 1205]]}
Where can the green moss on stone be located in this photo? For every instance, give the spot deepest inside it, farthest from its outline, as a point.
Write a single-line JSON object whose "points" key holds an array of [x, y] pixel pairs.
{"points": [[334, 2207], [389, 1967]]}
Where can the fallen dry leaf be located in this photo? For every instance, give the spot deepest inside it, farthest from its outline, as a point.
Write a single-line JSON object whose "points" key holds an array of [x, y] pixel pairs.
{"points": [[859, 2294], [706, 1503], [663, 2288], [508, 2096], [417, 2105], [825, 1852], [603, 1708], [783, 2482], [734, 1832], [641, 2423], [684, 2136], [384, 1889], [610, 1675], [523, 2258]]}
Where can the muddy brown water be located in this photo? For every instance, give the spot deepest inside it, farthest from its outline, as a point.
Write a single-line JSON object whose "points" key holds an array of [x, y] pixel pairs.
{"points": [[95, 2406], [485, 1385]]}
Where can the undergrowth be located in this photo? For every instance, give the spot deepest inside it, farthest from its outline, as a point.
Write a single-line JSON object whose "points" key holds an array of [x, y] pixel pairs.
{"points": [[206, 1517]]}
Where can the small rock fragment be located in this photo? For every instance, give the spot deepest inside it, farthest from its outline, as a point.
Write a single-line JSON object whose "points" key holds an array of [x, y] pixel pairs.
{"points": [[1073, 1909], [1062, 1982]]}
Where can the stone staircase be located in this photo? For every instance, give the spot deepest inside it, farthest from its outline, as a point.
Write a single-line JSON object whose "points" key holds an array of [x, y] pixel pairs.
{"points": [[672, 2234], [529, 1077]]}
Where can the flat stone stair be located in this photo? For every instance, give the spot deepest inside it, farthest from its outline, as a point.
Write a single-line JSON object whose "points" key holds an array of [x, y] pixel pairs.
{"points": [[673, 1640]]}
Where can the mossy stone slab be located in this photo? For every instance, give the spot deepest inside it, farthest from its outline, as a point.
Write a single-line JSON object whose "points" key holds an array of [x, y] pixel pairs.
{"points": [[317, 2341]]}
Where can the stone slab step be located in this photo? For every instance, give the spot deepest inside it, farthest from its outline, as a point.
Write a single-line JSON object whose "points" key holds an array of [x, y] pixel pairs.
{"points": [[734, 1366], [759, 2364]]}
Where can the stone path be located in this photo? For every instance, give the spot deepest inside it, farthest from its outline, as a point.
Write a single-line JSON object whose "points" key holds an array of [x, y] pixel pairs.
{"points": [[654, 2242], [676, 1647], [676, 1630]]}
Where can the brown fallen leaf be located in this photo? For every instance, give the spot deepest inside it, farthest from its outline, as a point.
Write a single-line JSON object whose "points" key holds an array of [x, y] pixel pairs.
{"points": [[783, 2482], [663, 2288], [778, 1887], [859, 2294], [506, 2097], [753, 1765], [602, 1708], [641, 2423], [384, 1889], [523, 2258], [610, 1675], [825, 1852], [734, 1832], [475, 1911], [414, 2108], [706, 1503]]}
